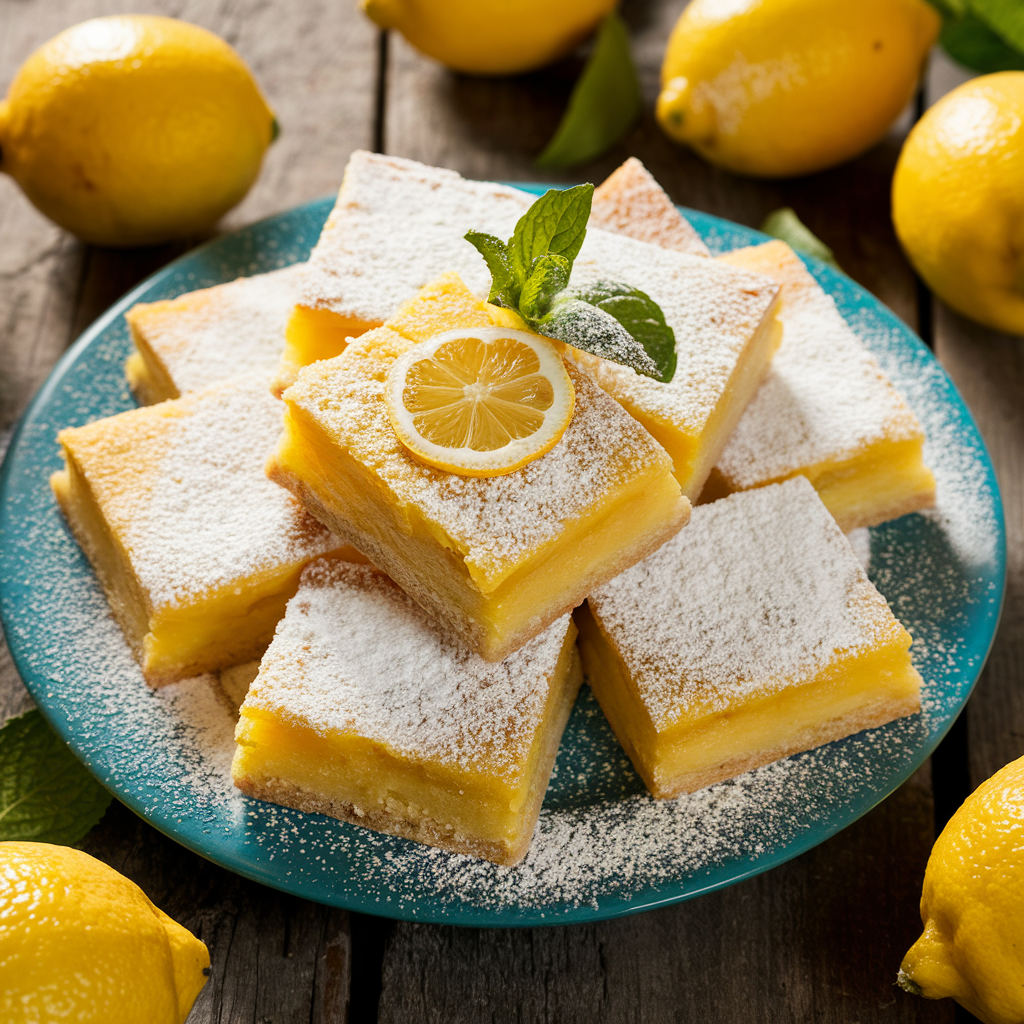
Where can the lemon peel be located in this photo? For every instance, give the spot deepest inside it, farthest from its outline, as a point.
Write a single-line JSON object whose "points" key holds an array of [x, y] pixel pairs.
{"points": [[957, 202], [133, 130], [79, 941], [491, 37], [785, 87], [972, 904]]}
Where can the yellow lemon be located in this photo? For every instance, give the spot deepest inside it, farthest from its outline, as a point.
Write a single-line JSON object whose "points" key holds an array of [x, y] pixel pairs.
{"points": [[80, 942], [958, 199], [782, 87], [972, 906], [134, 130], [480, 402], [491, 37]]}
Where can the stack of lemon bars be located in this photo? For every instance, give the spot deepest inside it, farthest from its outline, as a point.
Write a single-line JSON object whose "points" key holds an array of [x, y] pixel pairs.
{"points": [[402, 620]]}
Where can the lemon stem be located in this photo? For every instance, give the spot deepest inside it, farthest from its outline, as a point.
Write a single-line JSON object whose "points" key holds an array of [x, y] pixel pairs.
{"points": [[907, 983]]}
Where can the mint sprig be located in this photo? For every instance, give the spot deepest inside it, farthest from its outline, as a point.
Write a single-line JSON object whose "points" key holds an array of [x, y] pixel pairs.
{"points": [[46, 794], [530, 274]]}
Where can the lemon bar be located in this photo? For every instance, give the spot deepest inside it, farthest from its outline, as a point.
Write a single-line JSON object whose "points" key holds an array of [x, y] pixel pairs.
{"points": [[364, 711], [826, 411], [399, 224], [210, 335], [494, 559], [196, 550], [630, 202], [752, 635]]}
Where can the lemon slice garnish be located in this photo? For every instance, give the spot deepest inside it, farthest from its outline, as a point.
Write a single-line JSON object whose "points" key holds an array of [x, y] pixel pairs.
{"points": [[479, 402]]}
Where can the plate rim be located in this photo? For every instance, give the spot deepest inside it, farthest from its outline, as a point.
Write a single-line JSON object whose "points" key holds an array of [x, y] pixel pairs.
{"points": [[458, 914]]}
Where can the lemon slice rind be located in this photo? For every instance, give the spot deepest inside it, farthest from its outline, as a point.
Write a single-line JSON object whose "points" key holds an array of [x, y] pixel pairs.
{"points": [[469, 461]]}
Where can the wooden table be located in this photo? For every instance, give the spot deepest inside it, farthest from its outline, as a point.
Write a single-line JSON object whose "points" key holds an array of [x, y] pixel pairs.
{"points": [[818, 939]]}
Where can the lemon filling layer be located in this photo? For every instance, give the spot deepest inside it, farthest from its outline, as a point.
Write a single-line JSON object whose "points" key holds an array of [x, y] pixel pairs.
{"points": [[752, 635], [466, 767]]}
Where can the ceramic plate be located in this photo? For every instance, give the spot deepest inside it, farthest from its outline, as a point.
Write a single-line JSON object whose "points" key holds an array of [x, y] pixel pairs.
{"points": [[603, 847]]}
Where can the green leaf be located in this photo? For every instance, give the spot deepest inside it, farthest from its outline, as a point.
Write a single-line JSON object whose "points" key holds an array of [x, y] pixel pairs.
{"points": [[972, 43], [504, 288], [46, 793], [548, 276], [1004, 17], [642, 318], [604, 103], [590, 329], [555, 223], [785, 225]]}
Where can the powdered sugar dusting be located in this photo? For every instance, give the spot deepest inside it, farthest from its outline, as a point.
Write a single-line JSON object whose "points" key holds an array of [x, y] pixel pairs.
{"points": [[713, 316], [399, 224], [824, 399], [963, 505], [760, 591], [193, 502], [354, 654], [630, 202], [495, 521], [222, 332]]}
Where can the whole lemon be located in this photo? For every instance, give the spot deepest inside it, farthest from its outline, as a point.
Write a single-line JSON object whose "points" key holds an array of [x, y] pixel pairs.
{"points": [[783, 87], [972, 906], [491, 37], [80, 942], [958, 199], [134, 130]]}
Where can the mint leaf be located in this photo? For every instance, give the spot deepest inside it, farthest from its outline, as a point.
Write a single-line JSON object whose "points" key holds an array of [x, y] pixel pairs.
{"points": [[46, 794], [530, 274], [972, 43], [504, 288], [555, 223], [1004, 17], [641, 317], [785, 225], [604, 103], [590, 329], [547, 277]]}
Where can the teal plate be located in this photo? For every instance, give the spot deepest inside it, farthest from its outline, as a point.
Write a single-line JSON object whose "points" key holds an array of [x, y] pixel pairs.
{"points": [[603, 848]]}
